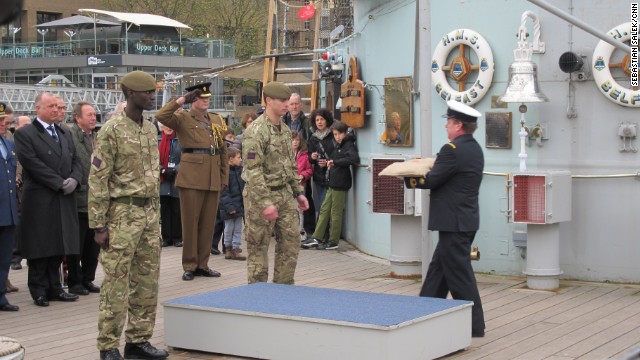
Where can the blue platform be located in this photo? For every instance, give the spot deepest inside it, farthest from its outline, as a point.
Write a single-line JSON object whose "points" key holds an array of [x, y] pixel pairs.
{"points": [[263, 320]]}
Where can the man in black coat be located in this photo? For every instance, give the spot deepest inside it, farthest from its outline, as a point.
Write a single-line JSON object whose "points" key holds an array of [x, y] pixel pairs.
{"points": [[48, 228], [454, 181]]}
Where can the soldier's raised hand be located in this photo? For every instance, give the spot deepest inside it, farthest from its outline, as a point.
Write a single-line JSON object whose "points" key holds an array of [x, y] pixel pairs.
{"points": [[192, 96]]}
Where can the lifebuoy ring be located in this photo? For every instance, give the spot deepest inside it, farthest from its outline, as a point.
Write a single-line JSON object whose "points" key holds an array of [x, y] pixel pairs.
{"points": [[602, 73], [460, 68]]}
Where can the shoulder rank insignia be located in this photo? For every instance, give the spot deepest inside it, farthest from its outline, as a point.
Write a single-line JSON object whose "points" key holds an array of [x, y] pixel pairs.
{"points": [[451, 144]]}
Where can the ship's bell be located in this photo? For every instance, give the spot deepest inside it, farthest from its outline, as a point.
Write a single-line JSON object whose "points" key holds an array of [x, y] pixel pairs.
{"points": [[523, 84], [523, 74]]}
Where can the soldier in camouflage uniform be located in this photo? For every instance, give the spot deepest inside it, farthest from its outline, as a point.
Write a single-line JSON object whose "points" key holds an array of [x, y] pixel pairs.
{"points": [[124, 208], [272, 191]]}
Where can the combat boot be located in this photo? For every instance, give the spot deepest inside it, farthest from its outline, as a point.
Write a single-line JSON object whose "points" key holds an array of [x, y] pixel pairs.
{"points": [[111, 354], [235, 255], [228, 254], [143, 350]]}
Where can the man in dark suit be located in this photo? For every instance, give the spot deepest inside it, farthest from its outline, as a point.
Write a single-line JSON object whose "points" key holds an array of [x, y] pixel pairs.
{"points": [[204, 173], [454, 181], [49, 221], [82, 268], [8, 211]]}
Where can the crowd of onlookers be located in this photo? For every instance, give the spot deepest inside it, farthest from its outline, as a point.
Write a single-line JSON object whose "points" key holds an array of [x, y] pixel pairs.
{"points": [[324, 153]]}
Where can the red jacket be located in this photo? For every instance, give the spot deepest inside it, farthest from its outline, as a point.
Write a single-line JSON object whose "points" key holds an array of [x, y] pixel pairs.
{"points": [[304, 167]]}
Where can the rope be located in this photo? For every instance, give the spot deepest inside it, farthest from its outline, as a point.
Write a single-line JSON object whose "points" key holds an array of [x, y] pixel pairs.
{"points": [[9, 346]]}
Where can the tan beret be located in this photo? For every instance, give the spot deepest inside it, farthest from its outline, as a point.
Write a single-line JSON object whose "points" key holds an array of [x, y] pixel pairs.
{"points": [[139, 81], [277, 90], [3, 107]]}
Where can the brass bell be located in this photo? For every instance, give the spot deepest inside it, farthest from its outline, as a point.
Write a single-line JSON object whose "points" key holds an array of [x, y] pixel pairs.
{"points": [[475, 253], [523, 84]]}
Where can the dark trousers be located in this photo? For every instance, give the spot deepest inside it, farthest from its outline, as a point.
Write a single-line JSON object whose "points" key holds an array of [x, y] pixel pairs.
{"points": [[6, 245], [82, 268], [450, 271], [16, 257], [217, 233], [170, 220], [44, 277], [309, 215]]}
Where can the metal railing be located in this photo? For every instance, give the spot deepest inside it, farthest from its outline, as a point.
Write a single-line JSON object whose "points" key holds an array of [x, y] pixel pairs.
{"points": [[187, 48], [22, 98]]}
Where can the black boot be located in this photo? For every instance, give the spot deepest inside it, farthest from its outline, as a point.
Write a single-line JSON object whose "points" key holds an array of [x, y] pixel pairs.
{"points": [[111, 354], [143, 350]]}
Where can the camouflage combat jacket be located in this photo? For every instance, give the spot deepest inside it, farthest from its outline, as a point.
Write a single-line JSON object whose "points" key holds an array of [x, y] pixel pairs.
{"points": [[125, 163], [269, 161]]}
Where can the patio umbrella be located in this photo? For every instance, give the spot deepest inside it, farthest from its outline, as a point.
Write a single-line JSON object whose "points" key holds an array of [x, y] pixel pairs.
{"points": [[79, 22]]}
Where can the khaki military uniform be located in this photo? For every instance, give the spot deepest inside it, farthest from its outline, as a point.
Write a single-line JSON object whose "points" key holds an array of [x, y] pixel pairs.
{"points": [[271, 177], [125, 197], [200, 179]]}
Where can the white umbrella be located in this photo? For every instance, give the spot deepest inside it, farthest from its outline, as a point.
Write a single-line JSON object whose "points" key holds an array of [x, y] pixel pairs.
{"points": [[79, 22]]}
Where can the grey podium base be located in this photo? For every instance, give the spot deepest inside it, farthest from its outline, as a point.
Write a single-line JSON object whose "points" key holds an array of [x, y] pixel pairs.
{"points": [[272, 321]]}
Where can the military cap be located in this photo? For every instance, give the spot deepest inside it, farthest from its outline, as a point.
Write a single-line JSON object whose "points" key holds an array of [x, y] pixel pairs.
{"points": [[461, 112], [277, 90], [3, 107], [139, 81], [204, 87]]}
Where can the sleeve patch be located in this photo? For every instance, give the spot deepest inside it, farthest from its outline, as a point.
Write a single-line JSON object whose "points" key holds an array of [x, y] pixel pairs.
{"points": [[96, 162], [251, 155]]}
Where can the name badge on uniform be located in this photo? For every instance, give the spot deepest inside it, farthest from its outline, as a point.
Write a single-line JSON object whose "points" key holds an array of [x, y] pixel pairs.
{"points": [[171, 165]]}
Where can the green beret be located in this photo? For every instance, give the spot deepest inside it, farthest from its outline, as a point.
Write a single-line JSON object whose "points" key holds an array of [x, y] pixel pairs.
{"points": [[139, 81], [277, 90]]}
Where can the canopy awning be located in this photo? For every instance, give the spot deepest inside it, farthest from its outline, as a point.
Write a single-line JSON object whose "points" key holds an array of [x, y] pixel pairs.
{"points": [[76, 21], [140, 19]]}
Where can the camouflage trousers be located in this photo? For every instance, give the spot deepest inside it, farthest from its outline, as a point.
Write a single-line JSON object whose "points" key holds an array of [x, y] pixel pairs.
{"points": [[131, 270], [257, 234]]}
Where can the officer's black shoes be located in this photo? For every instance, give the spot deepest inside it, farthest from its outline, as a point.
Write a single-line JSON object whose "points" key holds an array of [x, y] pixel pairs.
{"points": [[111, 354], [206, 273], [79, 290], [477, 333], [215, 251], [92, 287], [188, 275], [143, 350]]}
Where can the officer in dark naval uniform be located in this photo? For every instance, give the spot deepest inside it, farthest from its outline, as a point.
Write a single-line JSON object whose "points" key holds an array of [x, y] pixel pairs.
{"points": [[454, 181]]}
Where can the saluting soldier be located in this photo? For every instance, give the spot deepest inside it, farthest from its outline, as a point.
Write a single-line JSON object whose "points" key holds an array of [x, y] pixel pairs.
{"points": [[204, 173], [454, 181], [124, 210], [272, 192]]}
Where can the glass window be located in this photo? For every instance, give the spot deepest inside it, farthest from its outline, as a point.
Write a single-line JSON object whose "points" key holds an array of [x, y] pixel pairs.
{"points": [[44, 17]]}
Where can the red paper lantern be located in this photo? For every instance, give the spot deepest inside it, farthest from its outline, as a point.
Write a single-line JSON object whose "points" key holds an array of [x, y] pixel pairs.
{"points": [[306, 12]]}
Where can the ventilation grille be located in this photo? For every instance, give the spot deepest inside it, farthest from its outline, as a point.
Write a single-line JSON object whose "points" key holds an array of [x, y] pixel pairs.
{"points": [[388, 191], [529, 195]]}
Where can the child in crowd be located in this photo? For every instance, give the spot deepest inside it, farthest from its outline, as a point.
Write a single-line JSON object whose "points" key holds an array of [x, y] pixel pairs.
{"points": [[305, 171], [232, 207], [229, 137], [339, 165]]}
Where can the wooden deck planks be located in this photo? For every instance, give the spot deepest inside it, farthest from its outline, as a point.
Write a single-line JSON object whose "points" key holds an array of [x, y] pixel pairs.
{"points": [[580, 321]]}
